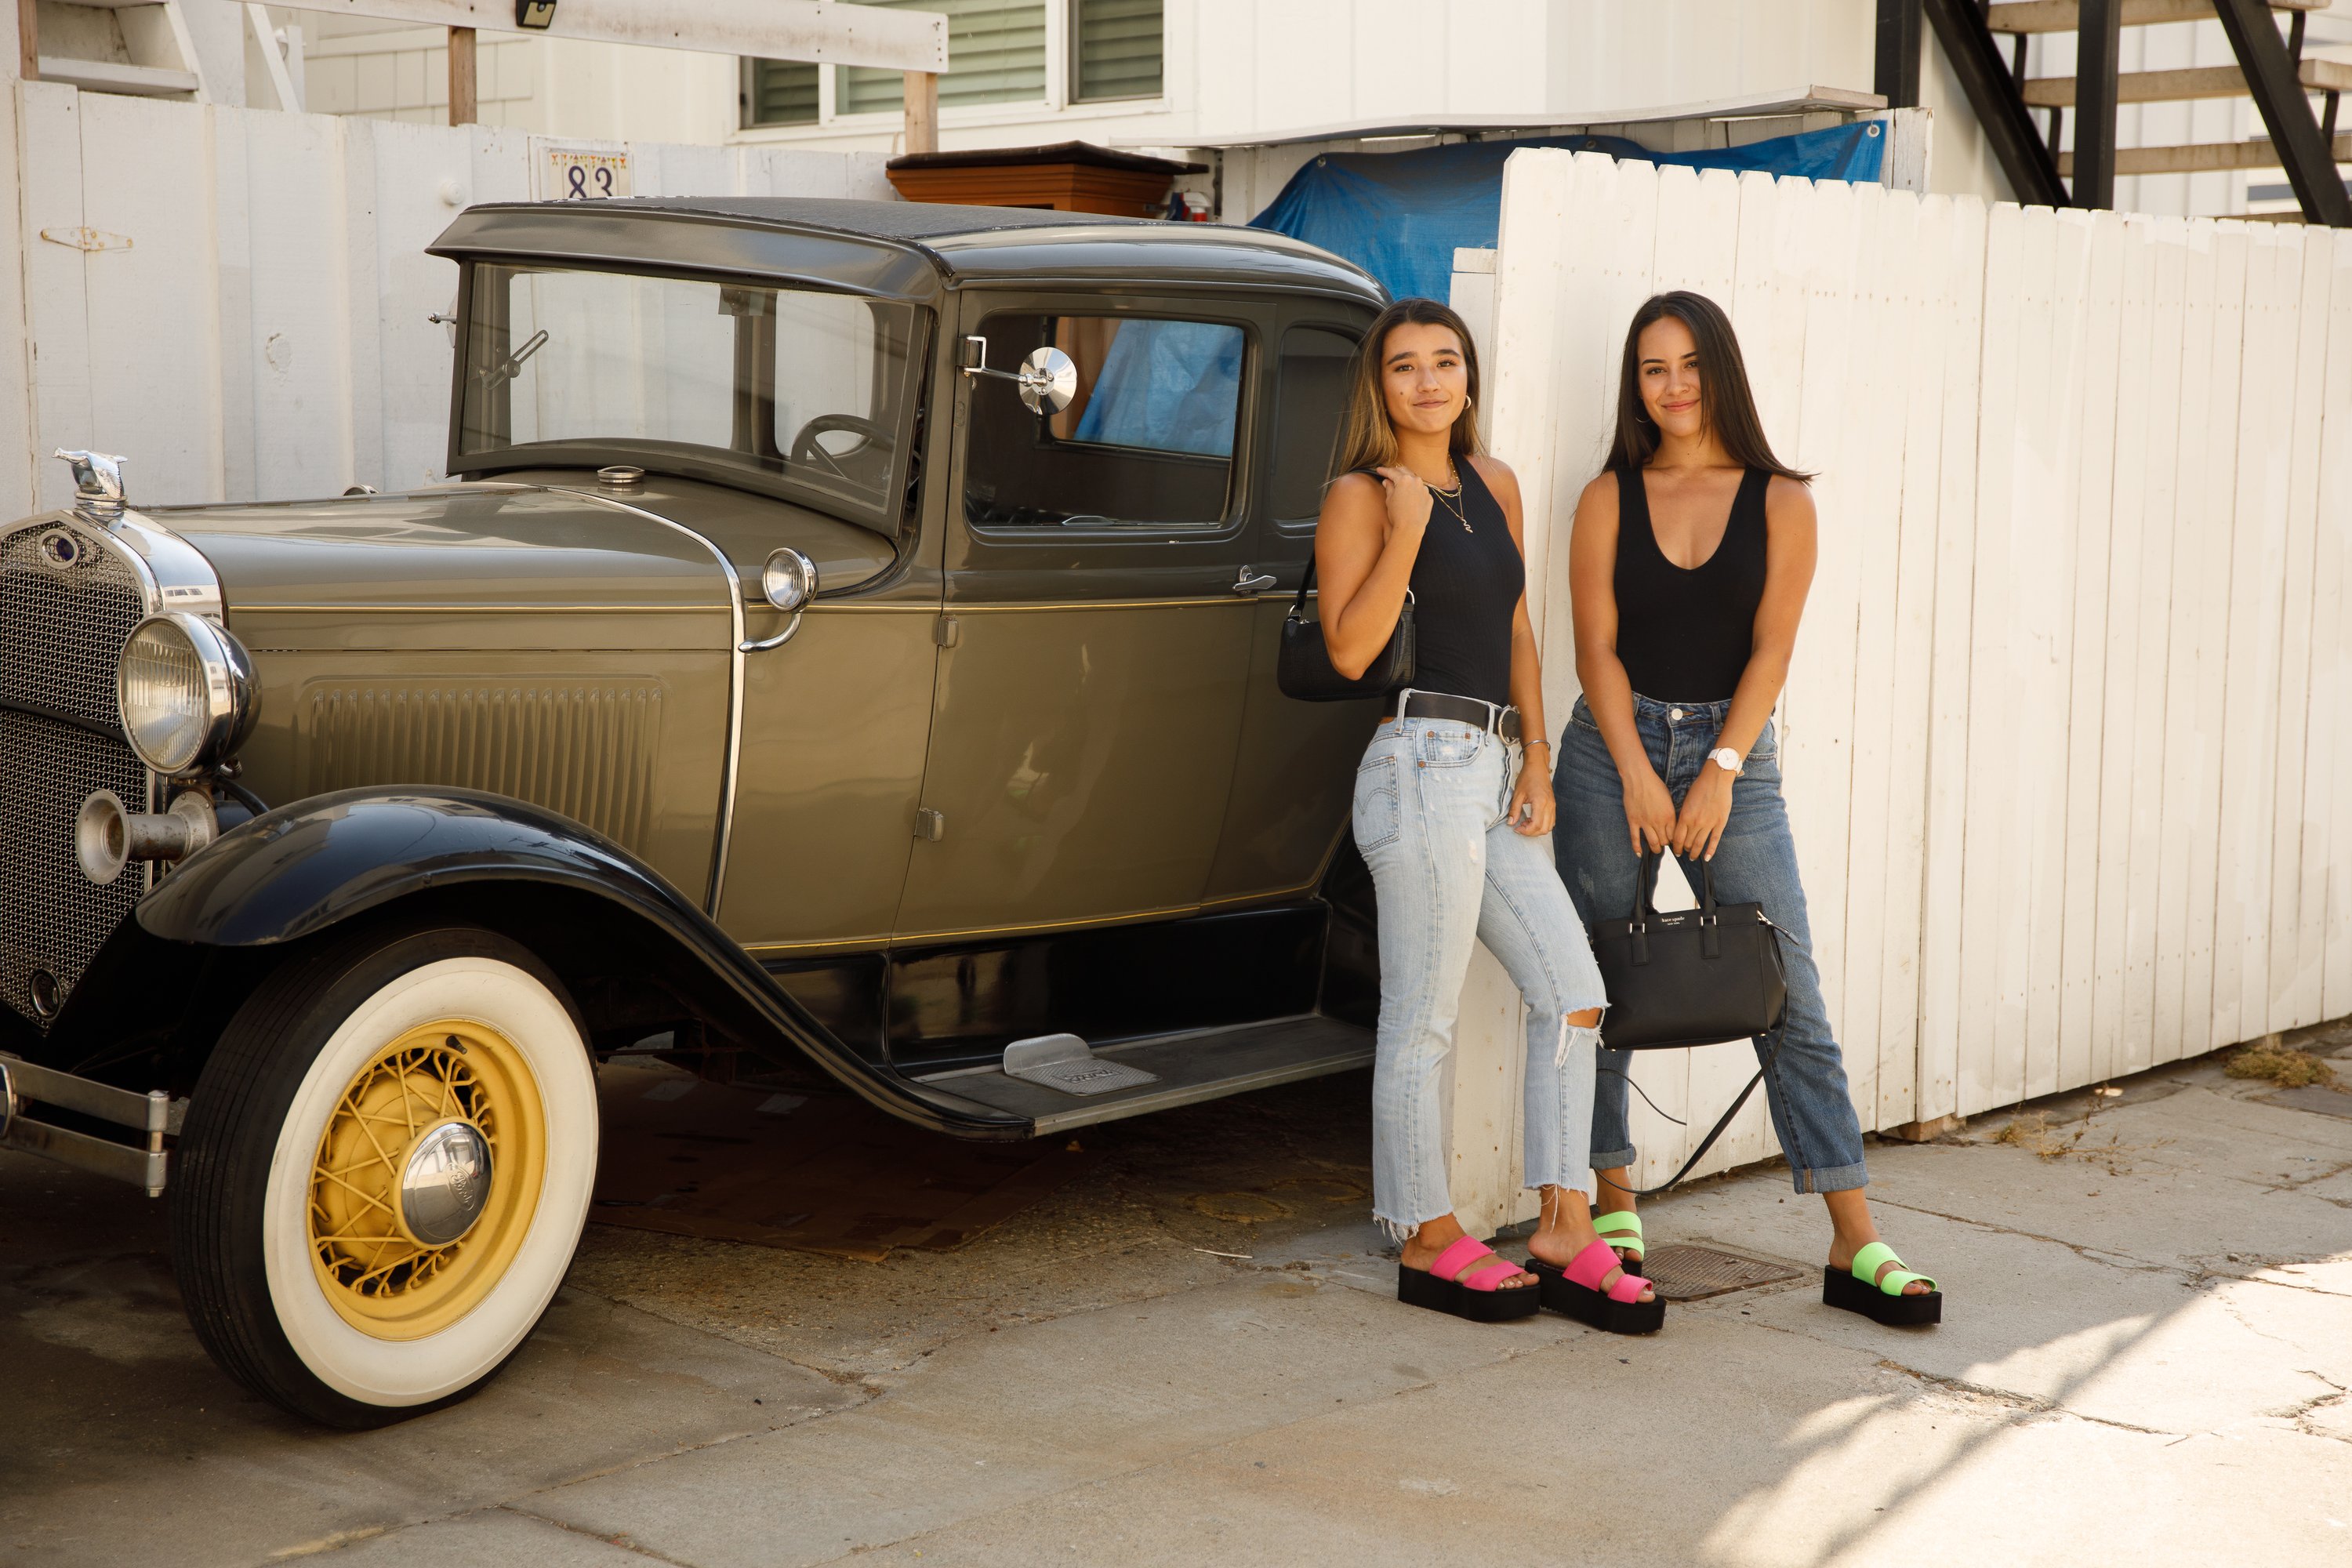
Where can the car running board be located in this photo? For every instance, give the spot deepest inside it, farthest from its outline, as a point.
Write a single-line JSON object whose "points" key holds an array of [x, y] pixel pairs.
{"points": [[1166, 1070]]}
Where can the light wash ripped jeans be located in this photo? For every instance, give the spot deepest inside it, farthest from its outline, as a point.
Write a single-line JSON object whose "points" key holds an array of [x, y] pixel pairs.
{"points": [[1448, 871]]}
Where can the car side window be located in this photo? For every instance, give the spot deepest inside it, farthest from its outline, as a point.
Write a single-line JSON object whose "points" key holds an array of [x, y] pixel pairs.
{"points": [[1311, 397], [1147, 441]]}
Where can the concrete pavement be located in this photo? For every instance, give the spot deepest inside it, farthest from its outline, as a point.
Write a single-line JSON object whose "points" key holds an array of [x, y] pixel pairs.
{"points": [[2146, 1356]]}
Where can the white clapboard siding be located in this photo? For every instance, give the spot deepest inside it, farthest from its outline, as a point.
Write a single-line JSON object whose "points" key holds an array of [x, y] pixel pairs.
{"points": [[239, 300], [2064, 740]]}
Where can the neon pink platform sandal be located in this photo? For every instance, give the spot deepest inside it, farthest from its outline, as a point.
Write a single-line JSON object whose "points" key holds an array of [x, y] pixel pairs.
{"points": [[1576, 1290], [1456, 1283]]}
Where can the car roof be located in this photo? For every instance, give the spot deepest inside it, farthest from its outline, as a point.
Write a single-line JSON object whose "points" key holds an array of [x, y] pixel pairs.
{"points": [[908, 248]]}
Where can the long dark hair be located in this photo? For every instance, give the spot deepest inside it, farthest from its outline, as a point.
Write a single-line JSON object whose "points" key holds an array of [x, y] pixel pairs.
{"points": [[1366, 439], [1724, 396]]}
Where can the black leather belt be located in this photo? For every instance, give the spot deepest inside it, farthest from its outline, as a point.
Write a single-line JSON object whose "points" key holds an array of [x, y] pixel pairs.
{"points": [[1458, 710]]}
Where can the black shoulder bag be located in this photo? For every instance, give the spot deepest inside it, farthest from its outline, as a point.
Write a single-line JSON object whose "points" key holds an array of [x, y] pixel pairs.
{"points": [[1694, 977], [1303, 668]]}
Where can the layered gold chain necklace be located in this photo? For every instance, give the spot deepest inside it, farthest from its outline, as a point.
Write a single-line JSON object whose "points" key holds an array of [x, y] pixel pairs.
{"points": [[1452, 499]]}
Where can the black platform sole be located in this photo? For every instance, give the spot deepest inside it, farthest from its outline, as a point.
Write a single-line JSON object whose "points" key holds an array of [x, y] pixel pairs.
{"points": [[1419, 1288], [1840, 1289], [1562, 1294]]}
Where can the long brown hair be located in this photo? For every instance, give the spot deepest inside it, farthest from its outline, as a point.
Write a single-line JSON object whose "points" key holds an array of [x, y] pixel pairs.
{"points": [[1725, 400], [1366, 439]]}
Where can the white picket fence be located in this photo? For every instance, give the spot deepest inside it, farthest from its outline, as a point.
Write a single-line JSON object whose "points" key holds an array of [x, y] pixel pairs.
{"points": [[2068, 743], [238, 299]]}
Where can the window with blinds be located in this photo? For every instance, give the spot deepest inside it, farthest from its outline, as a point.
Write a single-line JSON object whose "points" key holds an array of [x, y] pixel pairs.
{"points": [[779, 93], [996, 54], [1114, 49]]}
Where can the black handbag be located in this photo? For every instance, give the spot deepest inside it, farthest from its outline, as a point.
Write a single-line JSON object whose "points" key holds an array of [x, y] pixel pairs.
{"points": [[1303, 668], [1693, 977]]}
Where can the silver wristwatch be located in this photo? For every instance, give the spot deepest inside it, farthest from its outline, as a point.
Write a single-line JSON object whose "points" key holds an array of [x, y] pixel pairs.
{"points": [[1729, 760]]}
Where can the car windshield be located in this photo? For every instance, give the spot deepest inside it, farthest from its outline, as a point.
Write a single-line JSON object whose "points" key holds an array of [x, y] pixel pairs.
{"points": [[563, 365]]}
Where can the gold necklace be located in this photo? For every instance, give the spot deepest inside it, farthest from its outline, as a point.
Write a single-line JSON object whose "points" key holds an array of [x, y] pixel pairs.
{"points": [[1452, 499]]}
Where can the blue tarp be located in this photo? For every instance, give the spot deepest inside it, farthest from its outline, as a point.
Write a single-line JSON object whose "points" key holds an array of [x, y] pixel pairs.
{"points": [[1172, 386], [1400, 215]]}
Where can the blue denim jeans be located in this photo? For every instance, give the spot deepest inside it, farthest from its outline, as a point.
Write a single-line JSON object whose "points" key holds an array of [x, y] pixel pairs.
{"points": [[1755, 863], [1448, 871]]}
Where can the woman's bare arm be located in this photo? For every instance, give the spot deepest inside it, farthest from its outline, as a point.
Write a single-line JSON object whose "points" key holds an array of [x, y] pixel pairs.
{"points": [[1792, 536], [1531, 809], [1365, 542]]}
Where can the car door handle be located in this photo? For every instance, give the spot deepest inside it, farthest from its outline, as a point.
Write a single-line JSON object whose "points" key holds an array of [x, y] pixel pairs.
{"points": [[1251, 581]]}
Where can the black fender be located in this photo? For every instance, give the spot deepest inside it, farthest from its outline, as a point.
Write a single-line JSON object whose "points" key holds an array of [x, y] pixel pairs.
{"points": [[302, 868]]}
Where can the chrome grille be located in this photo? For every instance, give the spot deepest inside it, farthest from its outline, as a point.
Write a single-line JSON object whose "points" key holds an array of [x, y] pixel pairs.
{"points": [[65, 612]]}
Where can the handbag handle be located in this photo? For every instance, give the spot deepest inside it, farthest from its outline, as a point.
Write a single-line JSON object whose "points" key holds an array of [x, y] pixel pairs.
{"points": [[1307, 587], [1645, 888]]}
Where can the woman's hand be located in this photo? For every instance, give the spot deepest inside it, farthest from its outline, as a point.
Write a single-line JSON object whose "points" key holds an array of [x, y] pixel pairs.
{"points": [[1649, 809], [1532, 810], [1408, 499], [1705, 809]]}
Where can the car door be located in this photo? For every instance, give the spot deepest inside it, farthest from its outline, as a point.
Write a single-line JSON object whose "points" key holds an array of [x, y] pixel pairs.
{"points": [[1296, 765], [1096, 654]]}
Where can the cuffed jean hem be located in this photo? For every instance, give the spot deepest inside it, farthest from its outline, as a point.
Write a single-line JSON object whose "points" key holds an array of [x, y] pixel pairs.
{"points": [[1615, 1159], [1835, 1179]]}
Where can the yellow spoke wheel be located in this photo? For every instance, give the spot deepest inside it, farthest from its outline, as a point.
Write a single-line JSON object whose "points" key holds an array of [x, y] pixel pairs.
{"points": [[444, 1130]]}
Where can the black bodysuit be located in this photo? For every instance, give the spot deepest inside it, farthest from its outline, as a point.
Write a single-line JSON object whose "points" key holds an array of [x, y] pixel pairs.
{"points": [[1466, 585], [1684, 635]]}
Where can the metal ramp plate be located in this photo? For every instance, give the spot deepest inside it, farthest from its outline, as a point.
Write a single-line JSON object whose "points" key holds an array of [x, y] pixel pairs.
{"points": [[1064, 1062]]}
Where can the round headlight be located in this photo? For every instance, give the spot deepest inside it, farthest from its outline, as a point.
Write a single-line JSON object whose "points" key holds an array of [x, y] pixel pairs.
{"points": [[789, 579], [186, 689]]}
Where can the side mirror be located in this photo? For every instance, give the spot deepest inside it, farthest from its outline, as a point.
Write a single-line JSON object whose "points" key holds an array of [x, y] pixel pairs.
{"points": [[1048, 380]]}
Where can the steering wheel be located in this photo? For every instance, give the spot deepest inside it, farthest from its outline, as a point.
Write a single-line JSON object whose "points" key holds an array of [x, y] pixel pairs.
{"points": [[805, 448]]}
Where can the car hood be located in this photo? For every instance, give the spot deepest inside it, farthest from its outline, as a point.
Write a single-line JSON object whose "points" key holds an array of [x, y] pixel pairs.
{"points": [[476, 547]]}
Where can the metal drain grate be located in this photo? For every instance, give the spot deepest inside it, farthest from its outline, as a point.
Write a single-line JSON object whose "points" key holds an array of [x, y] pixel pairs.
{"points": [[1683, 1273]]}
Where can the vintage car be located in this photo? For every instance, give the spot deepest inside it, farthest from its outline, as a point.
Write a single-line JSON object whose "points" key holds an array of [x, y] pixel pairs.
{"points": [[846, 641]]}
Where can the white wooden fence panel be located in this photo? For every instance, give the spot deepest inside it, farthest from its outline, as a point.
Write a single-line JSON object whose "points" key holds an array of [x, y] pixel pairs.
{"points": [[1945, 1010], [2063, 740], [238, 299], [2297, 917], [2334, 688]]}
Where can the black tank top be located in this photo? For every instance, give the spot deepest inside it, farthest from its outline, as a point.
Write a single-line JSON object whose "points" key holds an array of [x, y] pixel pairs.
{"points": [[1683, 636], [1466, 584]]}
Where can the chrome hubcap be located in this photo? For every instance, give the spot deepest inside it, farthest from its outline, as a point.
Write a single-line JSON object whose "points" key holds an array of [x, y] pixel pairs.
{"points": [[444, 1184]]}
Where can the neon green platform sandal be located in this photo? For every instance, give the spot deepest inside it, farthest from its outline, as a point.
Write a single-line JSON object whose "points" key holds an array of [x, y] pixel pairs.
{"points": [[1620, 1230], [1881, 1300]]}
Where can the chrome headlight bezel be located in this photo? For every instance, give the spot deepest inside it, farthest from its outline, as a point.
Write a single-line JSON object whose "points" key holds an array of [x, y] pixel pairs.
{"points": [[220, 708]]}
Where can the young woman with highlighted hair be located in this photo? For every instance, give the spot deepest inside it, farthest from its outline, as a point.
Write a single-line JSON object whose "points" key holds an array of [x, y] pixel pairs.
{"points": [[1452, 824]]}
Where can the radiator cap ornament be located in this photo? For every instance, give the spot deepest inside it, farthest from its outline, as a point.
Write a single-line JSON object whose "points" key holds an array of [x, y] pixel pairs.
{"points": [[98, 483]]}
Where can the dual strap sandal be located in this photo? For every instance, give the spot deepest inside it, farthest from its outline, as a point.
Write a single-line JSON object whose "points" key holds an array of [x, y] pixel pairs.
{"points": [[1576, 1290], [1456, 1281], [1623, 1229], [1881, 1300]]}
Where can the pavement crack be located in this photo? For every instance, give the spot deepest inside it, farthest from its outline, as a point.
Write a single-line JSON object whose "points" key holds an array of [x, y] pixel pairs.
{"points": [[624, 1541], [2025, 1403], [2081, 1249]]}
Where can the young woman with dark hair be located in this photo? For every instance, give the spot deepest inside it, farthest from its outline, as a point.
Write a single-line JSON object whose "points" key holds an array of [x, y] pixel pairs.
{"points": [[1451, 822], [1688, 566]]}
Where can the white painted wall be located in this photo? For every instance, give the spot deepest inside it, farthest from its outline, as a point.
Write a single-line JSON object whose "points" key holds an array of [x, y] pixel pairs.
{"points": [[2063, 742], [253, 324]]}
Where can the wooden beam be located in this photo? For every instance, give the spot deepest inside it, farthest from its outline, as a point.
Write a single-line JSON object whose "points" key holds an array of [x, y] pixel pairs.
{"points": [[1902, 29], [464, 109], [2009, 129], [2064, 15], [2277, 88], [820, 30], [922, 112], [2198, 81], [28, 39], [2098, 55], [2203, 157]]}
